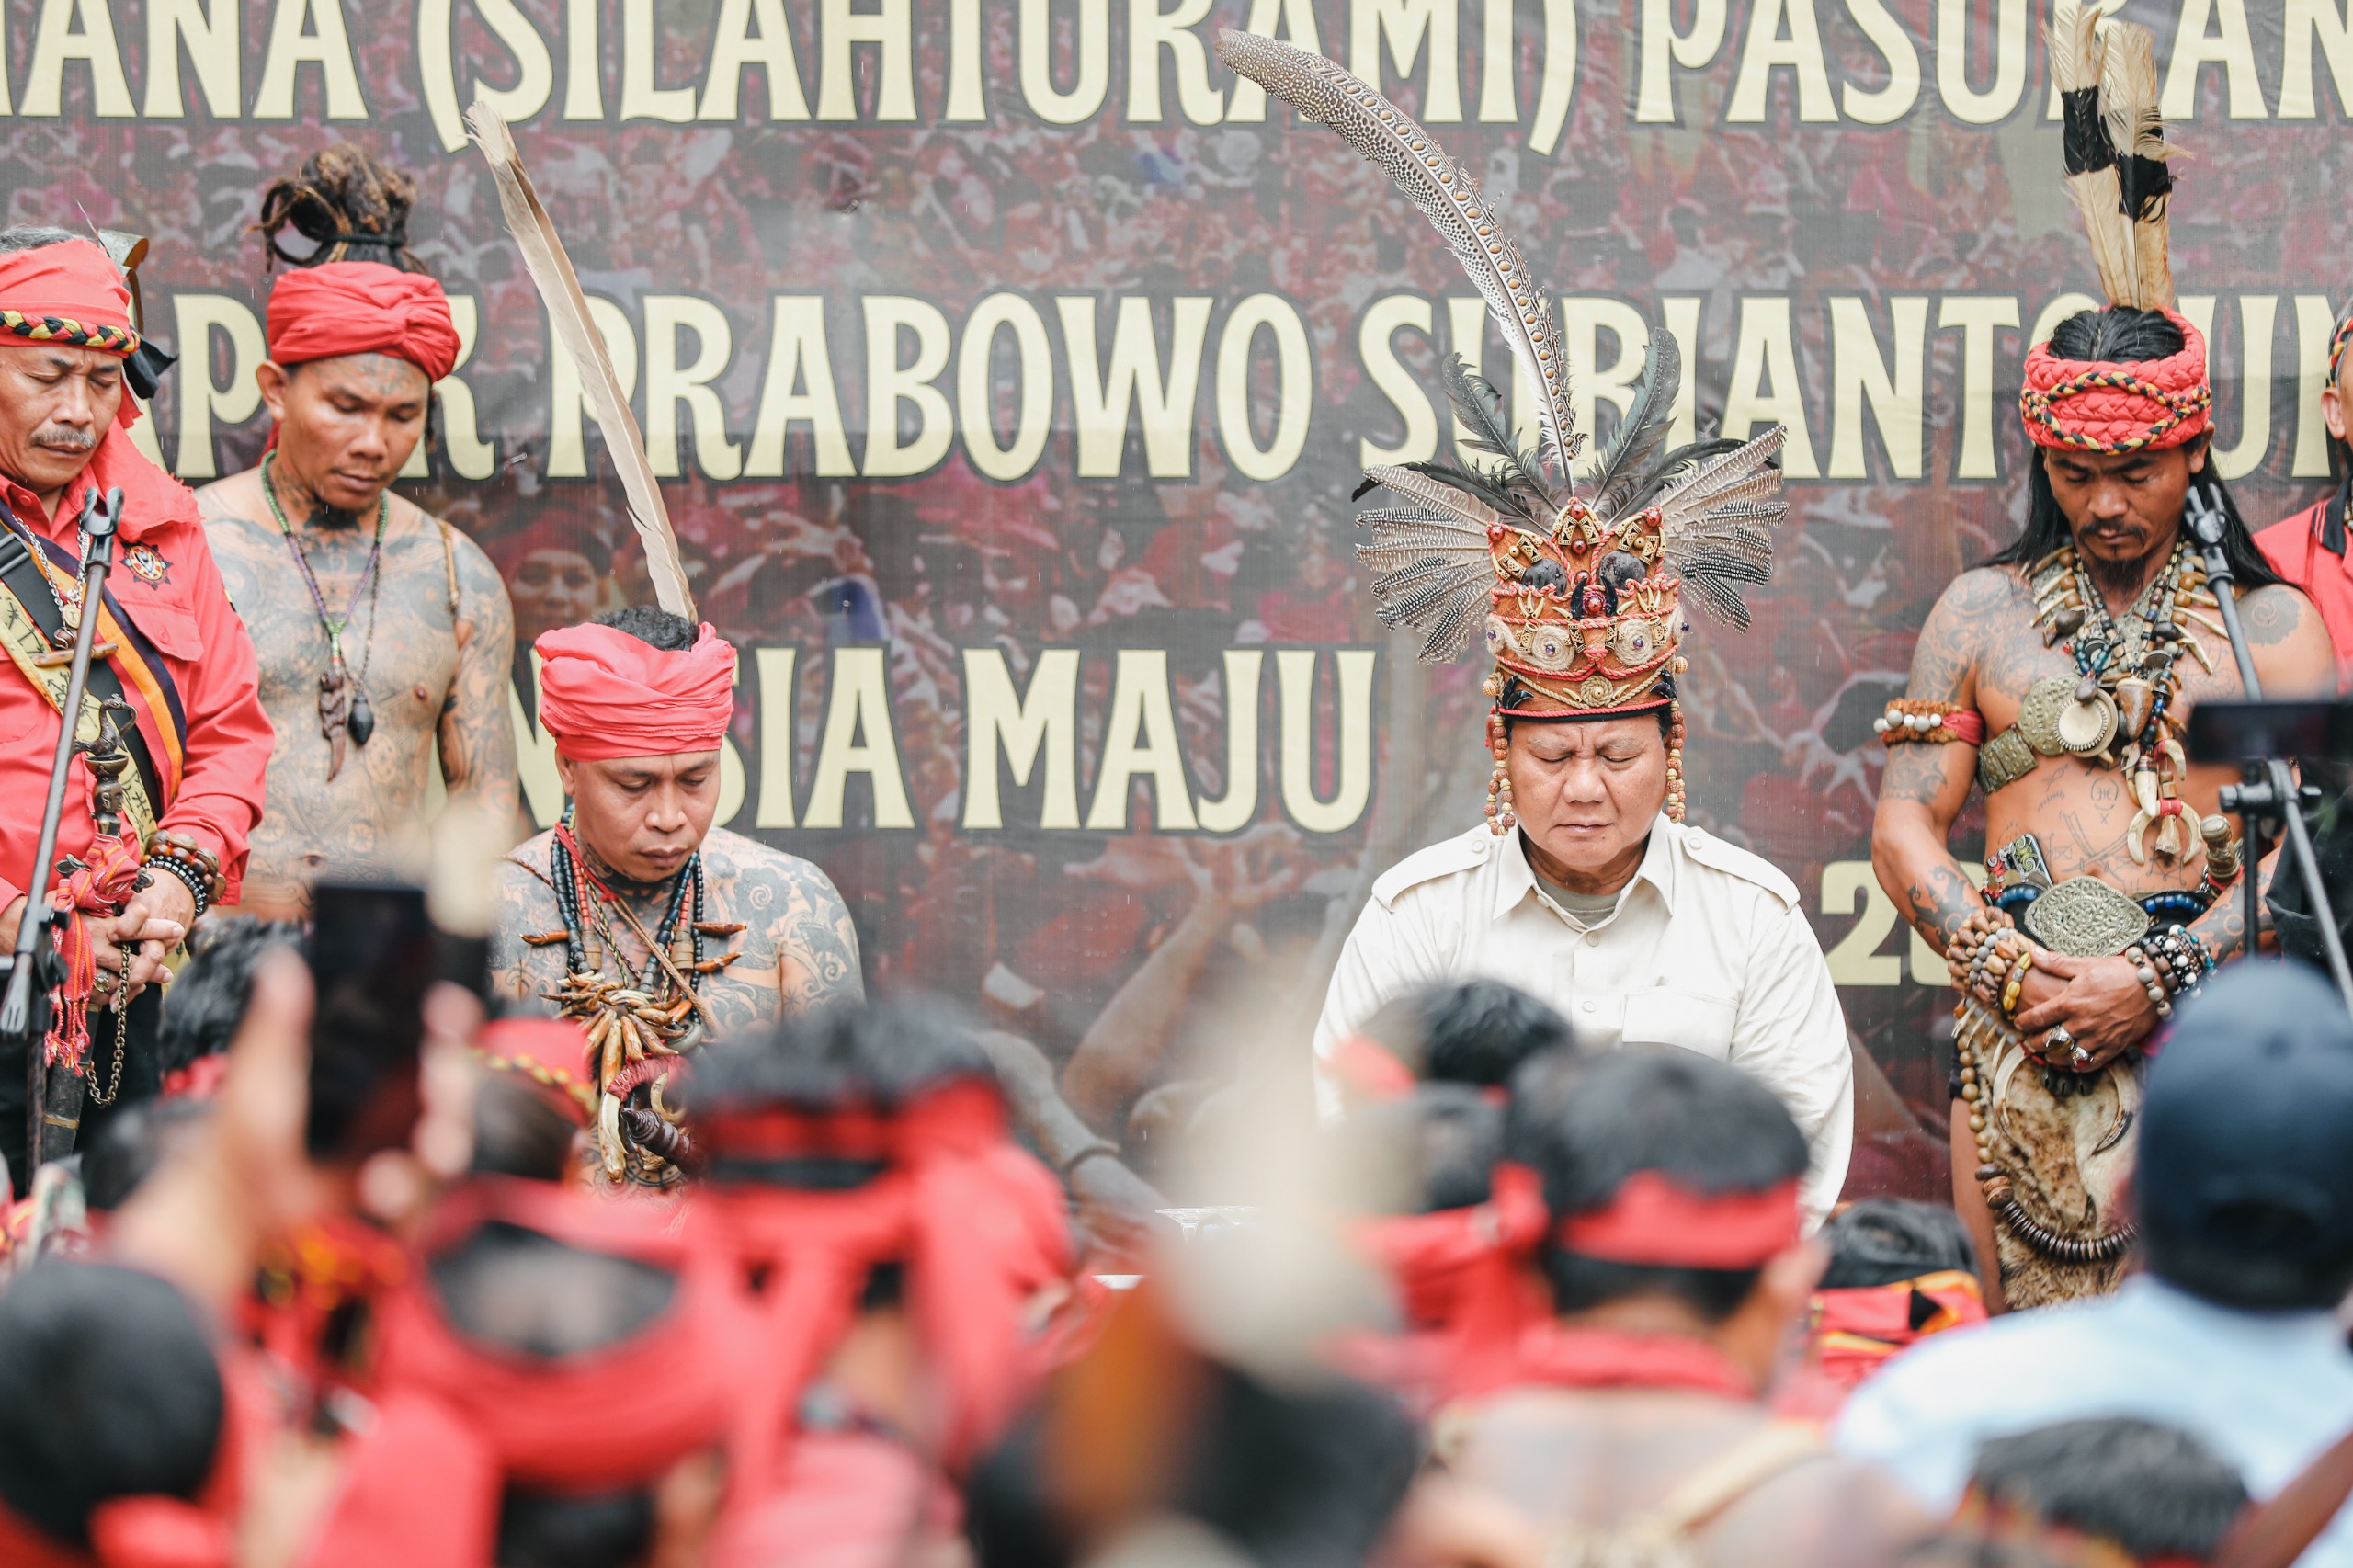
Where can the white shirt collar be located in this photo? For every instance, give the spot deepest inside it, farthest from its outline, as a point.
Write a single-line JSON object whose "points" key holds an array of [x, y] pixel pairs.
{"points": [[1515, 880]]}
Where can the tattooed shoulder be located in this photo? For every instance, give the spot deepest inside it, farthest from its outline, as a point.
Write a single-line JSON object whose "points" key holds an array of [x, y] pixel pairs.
{"points": [[795, 913], [525, 905], [1947, 652]]}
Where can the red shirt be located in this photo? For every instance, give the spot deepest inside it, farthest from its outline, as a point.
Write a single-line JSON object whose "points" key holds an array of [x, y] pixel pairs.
{"points": [[2296, 551], [166, 584]]}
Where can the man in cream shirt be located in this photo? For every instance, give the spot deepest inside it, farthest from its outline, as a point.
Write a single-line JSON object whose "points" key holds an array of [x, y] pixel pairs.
{"points": [[1641, 930]]}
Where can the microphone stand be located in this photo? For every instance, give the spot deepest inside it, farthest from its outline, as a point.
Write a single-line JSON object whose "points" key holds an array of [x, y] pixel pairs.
{"points": [[2269, 792], [36, 970]]}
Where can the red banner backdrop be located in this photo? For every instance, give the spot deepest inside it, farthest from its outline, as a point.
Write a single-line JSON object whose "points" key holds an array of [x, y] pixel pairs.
{"points": [[1012, 363]]}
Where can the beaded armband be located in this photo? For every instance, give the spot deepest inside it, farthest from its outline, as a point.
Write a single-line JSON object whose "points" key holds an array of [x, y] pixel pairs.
{"points": [[1938, 724], [198, 888], [190, 857]]}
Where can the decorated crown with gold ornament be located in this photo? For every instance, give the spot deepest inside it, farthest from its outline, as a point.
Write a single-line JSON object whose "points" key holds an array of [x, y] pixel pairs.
{"points": [[1578, 589]]}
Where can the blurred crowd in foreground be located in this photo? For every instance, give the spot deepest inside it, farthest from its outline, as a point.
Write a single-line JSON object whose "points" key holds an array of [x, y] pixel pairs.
{"points": [[1523, 1305]]}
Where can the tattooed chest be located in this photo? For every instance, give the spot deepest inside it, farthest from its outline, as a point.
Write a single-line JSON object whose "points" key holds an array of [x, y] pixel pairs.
{"points": [[395, 624]]}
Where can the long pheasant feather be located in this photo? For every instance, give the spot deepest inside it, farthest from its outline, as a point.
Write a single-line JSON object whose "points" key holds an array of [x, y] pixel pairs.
{"points": [[559, 286], [1449, 197]]}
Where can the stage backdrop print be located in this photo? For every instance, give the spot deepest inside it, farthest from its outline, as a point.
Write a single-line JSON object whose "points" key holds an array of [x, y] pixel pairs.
{"points": [[1010, 363]]}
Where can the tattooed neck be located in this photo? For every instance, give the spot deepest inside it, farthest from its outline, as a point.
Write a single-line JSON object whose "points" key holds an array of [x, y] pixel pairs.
{"points": [[304, 507], [627, 887]]}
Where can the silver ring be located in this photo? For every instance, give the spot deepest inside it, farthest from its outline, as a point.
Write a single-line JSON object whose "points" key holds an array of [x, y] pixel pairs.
{"points": [[2080, 1059], [2058, 1038]]}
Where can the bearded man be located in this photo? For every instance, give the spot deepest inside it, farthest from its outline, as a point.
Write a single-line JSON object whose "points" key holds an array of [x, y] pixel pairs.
{"points": [[635, 916], [2059, 678], [175, 727], [383, 634], [1584, 886]]}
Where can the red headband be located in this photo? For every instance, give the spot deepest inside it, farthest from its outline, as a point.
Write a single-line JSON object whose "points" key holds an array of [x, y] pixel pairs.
{"points": [[1657, 1224], [1459, 1275], [70, 294], [362, 307], [980, 1227], [605, 694], [456, 1420], [548, 1053], [2106, 407], [1370, 1069]]}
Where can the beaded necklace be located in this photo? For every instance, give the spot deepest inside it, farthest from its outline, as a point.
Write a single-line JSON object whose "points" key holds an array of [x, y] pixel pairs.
{"points": [[343, 700], [2120, 713], [685, 895]]}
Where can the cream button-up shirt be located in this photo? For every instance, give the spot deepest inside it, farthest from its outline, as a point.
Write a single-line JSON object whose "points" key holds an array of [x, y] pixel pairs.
{"points": [[1708, 950]]}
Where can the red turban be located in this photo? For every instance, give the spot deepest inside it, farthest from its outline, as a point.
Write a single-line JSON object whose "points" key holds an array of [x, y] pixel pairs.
{"points": [[2104, 406], [71, 293], [362, 307], [604, 693]]}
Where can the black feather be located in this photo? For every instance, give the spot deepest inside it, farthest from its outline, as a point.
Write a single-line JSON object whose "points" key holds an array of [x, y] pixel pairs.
{"points": [[1641, 437], [1672, 466], [1486, 486], [1481, 408]]}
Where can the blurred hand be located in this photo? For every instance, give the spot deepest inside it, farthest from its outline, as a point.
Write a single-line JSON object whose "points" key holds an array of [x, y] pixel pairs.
{"points": [[200, 1219]]}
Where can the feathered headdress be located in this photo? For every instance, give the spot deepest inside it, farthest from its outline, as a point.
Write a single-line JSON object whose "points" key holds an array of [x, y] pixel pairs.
{"points": [[1579, 593], [2116, 154]]}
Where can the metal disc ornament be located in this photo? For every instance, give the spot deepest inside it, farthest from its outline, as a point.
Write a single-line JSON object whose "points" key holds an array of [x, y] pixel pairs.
{"points": [[2085, 918], [2087, 727]]}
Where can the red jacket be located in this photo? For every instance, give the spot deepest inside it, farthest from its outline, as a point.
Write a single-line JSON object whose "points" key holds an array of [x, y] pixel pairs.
{"points": [[166, 585], [2298, 549]]}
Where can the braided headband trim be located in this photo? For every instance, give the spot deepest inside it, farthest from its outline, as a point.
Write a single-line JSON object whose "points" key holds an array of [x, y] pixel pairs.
{"points": [[71, 332], [2344, 336], [1646, 704], [2119, 408]]}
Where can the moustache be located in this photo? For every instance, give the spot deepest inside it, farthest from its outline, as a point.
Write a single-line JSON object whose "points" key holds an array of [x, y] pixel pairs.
{"points": [[75, 442]]}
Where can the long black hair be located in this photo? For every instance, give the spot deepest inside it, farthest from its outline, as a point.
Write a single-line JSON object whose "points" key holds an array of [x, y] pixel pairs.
{"points": [[2120, 334]]}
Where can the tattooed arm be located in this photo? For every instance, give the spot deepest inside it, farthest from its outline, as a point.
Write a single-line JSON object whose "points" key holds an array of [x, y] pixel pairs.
{"points": [[816, 945], [2293, 656], [476, 733], [1925, 787], [520, 972]]}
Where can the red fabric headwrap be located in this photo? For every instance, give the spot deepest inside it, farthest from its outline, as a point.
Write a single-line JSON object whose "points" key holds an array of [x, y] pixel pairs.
{"points": [[362, 307], [459, 1420], [70, 294], [605, 694], [1655, 1222], [980, 1227], [1461, 1280], [2118, 408]]}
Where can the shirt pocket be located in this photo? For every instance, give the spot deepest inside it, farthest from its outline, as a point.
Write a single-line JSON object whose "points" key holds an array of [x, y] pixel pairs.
{"points": [[1695, 1023], [172, 628]]}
